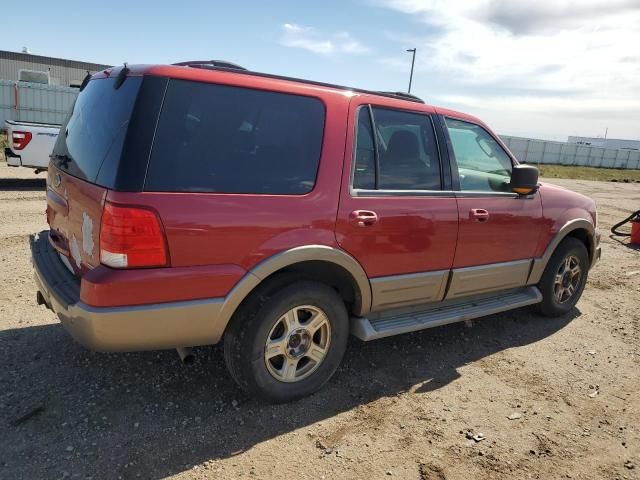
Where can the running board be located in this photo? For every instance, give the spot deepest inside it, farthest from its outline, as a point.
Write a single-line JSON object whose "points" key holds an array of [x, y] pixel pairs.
{"points": [[391, 323]]}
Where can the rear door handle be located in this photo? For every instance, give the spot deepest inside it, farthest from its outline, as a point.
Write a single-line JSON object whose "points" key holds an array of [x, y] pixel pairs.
{"points": [[479, 214], [363, 218]]}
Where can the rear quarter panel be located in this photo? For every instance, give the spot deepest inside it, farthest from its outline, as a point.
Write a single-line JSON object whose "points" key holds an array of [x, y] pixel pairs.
{"points": [[244, 229]]}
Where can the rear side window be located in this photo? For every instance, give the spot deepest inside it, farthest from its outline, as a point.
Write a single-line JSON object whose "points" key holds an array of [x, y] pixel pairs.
{"points": [[397, 152], [217, 138], [96, 127]]}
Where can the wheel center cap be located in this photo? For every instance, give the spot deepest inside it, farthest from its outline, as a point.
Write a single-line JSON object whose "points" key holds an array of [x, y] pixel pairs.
{"points": [[566, 279], [298, 343]]}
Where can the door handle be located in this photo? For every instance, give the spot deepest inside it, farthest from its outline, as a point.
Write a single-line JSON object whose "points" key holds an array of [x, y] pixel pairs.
{"points": [[479, 215], [363, 218]]}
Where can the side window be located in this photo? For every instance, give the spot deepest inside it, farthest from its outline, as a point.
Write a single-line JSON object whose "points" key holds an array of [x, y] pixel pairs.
{"points": [[483, 165], [365, 160], [406, 149], [219, 138]]}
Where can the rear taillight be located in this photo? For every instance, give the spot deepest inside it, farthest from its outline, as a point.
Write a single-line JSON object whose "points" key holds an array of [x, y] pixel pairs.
{"points": [[20, 139], [131, 237]]}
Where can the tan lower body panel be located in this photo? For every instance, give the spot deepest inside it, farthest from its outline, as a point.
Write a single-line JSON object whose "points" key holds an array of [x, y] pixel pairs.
{"points": [[400, 290], [180, 324], [488, 278]]}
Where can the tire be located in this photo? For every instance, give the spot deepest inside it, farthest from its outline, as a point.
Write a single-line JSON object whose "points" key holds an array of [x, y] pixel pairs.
{"points": [[555, 303], [295, 368]]}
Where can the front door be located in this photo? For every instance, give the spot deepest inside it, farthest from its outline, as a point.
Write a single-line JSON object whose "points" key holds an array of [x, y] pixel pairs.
{"points": [[499, 229], [395, 217]]}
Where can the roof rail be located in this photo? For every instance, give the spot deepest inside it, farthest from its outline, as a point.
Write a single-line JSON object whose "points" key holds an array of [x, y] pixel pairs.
{"points": [[209, 64], [403, 95], [227, 66]]}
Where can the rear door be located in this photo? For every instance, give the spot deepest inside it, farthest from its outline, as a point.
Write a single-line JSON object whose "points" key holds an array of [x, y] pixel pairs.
{"points": [[396, 216], [93, 136], [499, 229]]}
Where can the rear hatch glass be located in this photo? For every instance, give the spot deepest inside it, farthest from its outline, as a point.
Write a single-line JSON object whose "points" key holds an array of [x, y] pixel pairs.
{"points": [[92, 136], [95, 131]]}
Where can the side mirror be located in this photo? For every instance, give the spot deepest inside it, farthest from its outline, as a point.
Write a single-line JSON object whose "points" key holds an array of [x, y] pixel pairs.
{"points": [[524, 179]]}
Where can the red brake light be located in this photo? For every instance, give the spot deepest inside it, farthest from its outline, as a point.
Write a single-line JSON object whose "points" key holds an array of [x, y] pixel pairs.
{"points": [[131, 237], [20, 139]]}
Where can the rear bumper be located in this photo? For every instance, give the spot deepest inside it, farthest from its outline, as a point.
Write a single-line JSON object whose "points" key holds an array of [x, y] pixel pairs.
{"points": [[144, 327], [13, 160]]}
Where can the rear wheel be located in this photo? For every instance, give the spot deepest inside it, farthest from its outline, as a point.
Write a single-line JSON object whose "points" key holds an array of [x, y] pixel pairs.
{"points": [[564, 278], [286, 345]]}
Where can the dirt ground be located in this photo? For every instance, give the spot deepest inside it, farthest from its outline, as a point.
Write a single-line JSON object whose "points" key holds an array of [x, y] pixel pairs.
{"points": [[397, 408]]}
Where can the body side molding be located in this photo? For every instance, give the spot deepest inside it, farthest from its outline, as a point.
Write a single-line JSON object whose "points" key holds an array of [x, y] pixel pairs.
{"points": [[540, 263], [408, 289], [480, 279]]}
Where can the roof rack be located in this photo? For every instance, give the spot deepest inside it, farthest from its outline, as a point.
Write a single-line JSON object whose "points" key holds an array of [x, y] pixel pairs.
{"points": [[209, 64], [226, 66], [405, 95]]}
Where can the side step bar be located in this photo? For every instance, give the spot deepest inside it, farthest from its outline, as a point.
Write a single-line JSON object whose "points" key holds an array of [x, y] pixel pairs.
{"points": [[391, 323]]}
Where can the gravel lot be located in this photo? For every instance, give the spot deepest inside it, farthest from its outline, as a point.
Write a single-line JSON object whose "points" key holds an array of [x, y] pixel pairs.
{"points": [[398, 408]]}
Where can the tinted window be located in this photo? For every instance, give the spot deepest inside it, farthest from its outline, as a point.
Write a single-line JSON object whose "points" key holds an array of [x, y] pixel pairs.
{"points": [[96, 127], [483, 165], [406, 148], [216, 138], [365, 161]]}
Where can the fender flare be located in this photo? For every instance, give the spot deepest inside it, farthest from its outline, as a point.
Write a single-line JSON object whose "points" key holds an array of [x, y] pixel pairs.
{"points": [[540, 263], [290, 257]]}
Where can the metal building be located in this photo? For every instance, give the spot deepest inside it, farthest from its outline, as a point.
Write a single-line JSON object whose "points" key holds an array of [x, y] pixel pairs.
{"points": [[26, 67]]}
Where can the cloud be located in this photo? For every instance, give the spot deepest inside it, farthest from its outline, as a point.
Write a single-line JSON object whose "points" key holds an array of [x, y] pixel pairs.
{"points": [[490, 50], [532, 17], [308, 38]]}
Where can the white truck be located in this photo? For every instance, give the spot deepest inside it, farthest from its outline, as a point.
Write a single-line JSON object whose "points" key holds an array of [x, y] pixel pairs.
{"points": [[30, 144]]}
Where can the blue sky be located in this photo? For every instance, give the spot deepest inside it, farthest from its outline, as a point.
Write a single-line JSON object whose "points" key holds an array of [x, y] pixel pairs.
{"points": [[547, 69]]}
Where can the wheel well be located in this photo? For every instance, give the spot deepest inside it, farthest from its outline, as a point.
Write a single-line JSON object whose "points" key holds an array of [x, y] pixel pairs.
{"points": [[328, 273], [584, 236], [321, 271]]}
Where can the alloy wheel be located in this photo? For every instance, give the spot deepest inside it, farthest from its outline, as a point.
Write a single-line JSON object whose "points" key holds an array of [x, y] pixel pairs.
{"points": [[297, 343]]}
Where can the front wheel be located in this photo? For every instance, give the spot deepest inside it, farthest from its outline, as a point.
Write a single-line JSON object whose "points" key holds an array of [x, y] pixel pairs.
{"points": [[564, 278], [288, 344]]}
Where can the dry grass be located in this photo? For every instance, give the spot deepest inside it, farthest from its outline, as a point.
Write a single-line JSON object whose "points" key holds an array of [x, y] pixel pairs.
{"points": [[589, 173]]}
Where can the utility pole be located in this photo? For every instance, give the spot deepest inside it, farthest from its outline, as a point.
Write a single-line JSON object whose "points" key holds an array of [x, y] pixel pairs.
{"points": [[413, 61]]}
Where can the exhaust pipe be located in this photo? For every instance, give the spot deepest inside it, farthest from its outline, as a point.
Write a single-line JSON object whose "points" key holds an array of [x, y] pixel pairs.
{"points": [[186, 355]]}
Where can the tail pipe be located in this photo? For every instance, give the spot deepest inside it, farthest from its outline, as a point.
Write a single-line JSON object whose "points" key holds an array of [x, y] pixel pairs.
{"points": [[186, 355]]}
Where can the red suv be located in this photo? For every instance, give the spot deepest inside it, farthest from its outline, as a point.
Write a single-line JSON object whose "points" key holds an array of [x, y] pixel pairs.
{"points": [[198, 203]]}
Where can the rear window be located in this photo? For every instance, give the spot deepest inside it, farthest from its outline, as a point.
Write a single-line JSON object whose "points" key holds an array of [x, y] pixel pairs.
{"points": [[217, 138], [96, 127]]}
